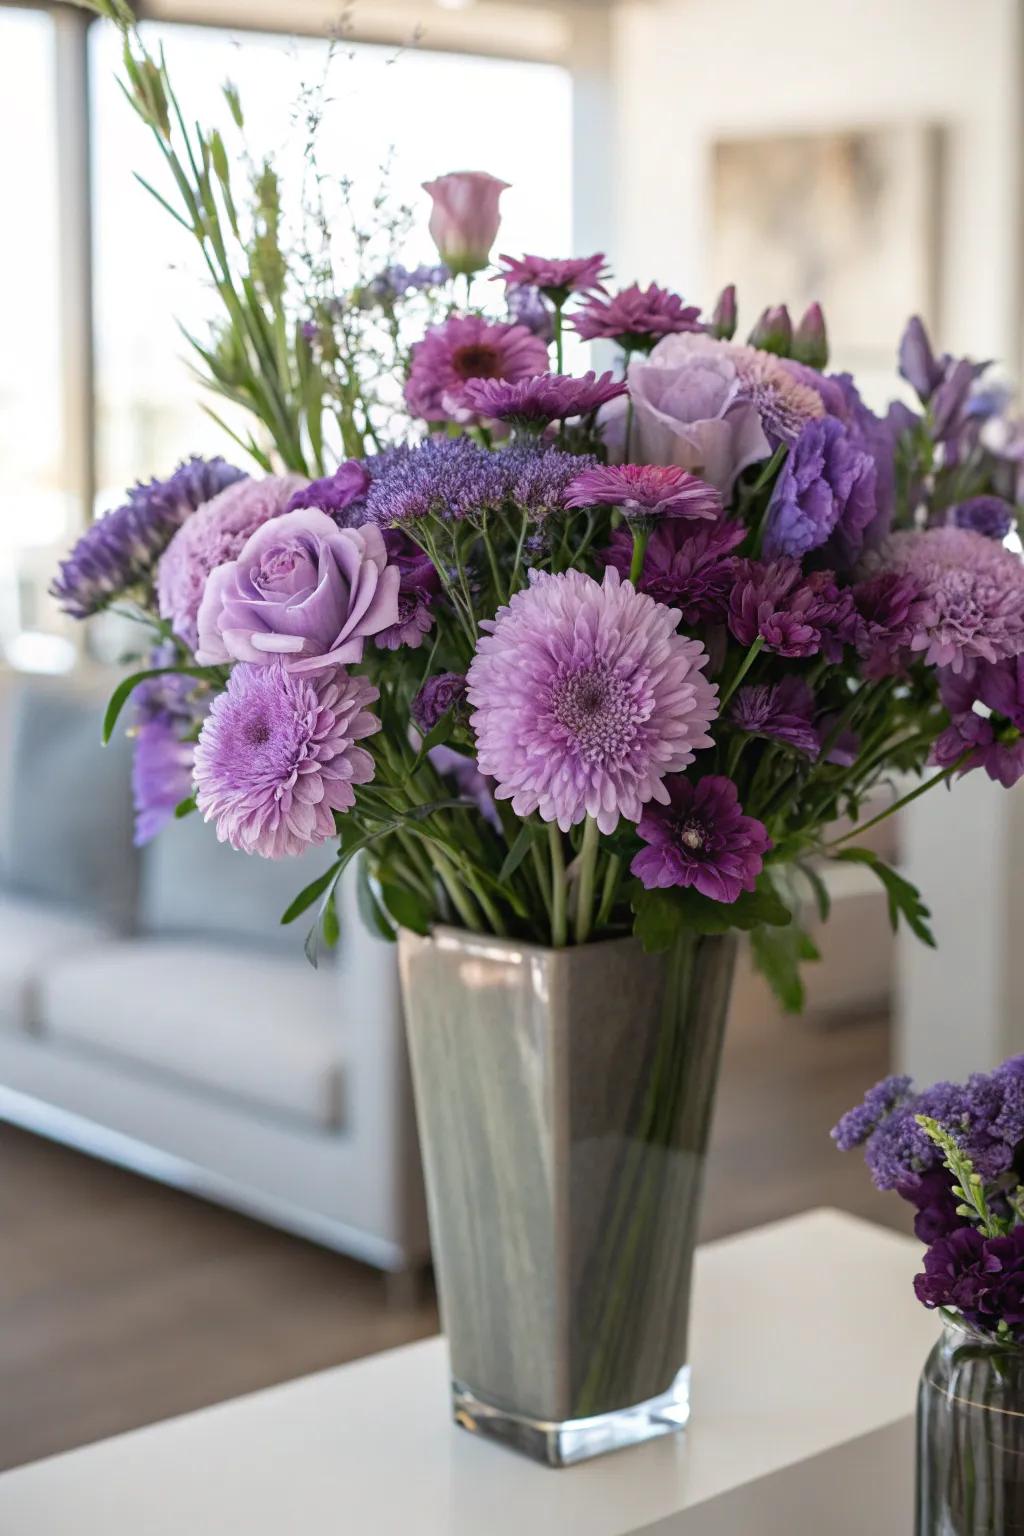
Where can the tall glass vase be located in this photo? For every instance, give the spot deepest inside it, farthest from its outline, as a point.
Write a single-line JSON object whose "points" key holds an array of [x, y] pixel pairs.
{"points": [[564, 1099], [970, 1437]]}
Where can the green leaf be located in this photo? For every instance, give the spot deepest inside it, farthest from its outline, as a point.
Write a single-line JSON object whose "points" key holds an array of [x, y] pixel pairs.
{"points": [[370, 909], [406, 907], [309, 894], [517, 853], [904, 898], [778, 954], [819, 890], [436, 737], [124, 690], [184, 808], [661, 915]]}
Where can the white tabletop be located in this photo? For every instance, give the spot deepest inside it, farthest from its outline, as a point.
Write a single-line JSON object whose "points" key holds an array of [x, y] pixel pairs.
{"points": [[806, 1334]]}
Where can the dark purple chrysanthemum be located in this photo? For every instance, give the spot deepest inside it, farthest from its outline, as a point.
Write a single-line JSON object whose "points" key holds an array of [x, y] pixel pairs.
{"points": [[646, 490], [825, 496], [335, 494], [559, 278], [687, 565], [781, 711], [417, 589], [636, 317], [701, 839], [794, 615], [277, 757], [120, 550], [465, 347], [449, 478], [990, 515], [539, 400], [887, 605], [437, 696]]}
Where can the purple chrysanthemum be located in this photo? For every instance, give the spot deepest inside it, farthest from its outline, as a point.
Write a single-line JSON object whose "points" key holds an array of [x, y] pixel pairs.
{"points": [[781, 711], [119, 551], [702, 839], [825, 496], [887, 604], [584, 698], [438, 695], [646, 490], [536, 401], [636, 317], [990, 515], [465, 347], [214, 535], [335, 494], [277, 757], [687, 565], [794, 615], [417, 589], [972, 594], [578, 274]]}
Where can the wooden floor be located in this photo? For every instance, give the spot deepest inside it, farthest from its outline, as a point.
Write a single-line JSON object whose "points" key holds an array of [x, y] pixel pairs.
{"points": [[122, 1302]]}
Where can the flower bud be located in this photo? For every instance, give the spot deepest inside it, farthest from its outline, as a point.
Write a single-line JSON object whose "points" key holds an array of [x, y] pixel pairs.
{"points": [[810, 340], [465, 217], [723, 316], [917, 360], [774, 331]]}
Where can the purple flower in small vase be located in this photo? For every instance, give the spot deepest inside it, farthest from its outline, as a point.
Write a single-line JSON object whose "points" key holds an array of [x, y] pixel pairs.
{"points": [[782, 711], [702, 839], [954, 1273], [646, 491]]}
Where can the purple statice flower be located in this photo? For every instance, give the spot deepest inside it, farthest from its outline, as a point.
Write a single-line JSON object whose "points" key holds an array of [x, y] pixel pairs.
{"points": [[529, 307], [418, 586], [795, 615], [537, 478], [584, 698], [824, 498], [986, 708], [990, 515], [556, 278], [687, 565], [636, 317], [119, 551], [214, 534], [161, 776], [465, 347], [861, 1122], [335, 494], [539, 400], [646, 491], [438, 695], [450, 478], [782, 711], [784, 404], [277, 757], [702, 839], [972, 594]]}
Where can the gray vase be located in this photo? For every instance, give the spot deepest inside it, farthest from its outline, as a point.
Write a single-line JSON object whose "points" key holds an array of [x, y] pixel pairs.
{"points": [[564, 1099]]}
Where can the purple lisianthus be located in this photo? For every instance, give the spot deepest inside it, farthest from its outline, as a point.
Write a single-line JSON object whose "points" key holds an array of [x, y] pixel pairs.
{"points": [[536, 401], [646, 491], [119, 551], [584, 698], [462, 348], [794, 615], [437, 696], [990, 515], [636, 317], [301, 589], [782, 711], [701, 838], [278, 755], [824, 498], [335, 494], [213, 535], [464, 217], [687, 565], [555, 277]]}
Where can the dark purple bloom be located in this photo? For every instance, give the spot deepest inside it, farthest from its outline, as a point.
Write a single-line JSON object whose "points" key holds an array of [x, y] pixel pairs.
{"points": [[542, 399], [701, 839], [935, 1204], [954, 1273], [825, 496], [794, 615], [687, 565], [335, 494], [990, 515], [417, 588], [918, 363], [646, 490], [119, 551], [437, 696], [864, 1119], [636, 317], [995, 738], [887, 606], [780, 711]]}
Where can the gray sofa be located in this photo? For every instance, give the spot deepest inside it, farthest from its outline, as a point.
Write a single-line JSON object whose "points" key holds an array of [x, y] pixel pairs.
{"points": [[153, 1011]]}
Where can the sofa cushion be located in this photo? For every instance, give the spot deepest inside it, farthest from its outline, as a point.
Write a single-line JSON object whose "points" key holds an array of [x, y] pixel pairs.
{"points": [[261, 1031], [33, 938]]}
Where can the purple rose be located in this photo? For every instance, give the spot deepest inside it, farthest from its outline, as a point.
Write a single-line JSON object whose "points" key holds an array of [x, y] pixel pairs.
{"points": [[687, 410], [301, 589]]}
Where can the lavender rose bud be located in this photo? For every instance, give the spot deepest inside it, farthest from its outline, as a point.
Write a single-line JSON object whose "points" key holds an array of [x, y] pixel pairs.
{"points": [[302, 589], [773, 331], [723, 316], [464, 219], [810, 340]]}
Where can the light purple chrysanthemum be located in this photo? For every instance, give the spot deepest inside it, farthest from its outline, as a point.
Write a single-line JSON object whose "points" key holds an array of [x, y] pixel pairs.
{"points": [[277, 757], [972, 594], [209, 538], [646, 490], [465, 347], [687, 565], [584, 698], [636, 317], [578, 274], [119, 551], [782, 711], [536, 401], [701, 838]]}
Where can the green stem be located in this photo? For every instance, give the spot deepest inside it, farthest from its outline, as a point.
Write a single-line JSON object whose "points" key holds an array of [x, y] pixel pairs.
{"points": [[641, 534], [559, 347], [559, 921], [915, 794], [587, 872], [741, 672], [459, 898], [611, 885]]}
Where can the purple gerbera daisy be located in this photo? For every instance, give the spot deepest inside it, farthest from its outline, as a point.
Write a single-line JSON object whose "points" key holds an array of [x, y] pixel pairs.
{"points": [[584, 698], [781, 711], [536, 401], [687, 565], [636, 317], [701, 838], [277, 757], [465, 347], [556, 278], [646, 490]]}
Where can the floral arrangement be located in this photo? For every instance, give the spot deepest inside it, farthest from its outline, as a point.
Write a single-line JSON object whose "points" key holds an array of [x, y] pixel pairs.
{"points": [[557, 657], [956, 1153]]}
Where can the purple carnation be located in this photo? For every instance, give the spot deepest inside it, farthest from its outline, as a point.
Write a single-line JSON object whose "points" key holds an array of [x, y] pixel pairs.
{"points": [[794, 615], [636, 317], [934, 1203], [887, 605], [990, 515], [558, 277], [646, 491], [437, 696], [584, 698], [781, 711], [687, 565], [981, 1277], [212, 536], [277, 757], [870, 433], [539, 400], [119, 551], [465, 347], [335, 494], [824, 498], [701, 838]]}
